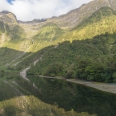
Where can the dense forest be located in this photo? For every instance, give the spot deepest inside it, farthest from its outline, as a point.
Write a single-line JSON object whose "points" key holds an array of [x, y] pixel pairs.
{"points": [[90, 59]]}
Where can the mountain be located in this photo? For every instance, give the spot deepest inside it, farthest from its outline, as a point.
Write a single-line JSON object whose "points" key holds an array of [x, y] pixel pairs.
{"points": [[78, 45], [33, 21], [8, 17], [100, 22], [97, 35], [28, 38], [74, 17], [31, 37], [67, 21], [49, 32]]}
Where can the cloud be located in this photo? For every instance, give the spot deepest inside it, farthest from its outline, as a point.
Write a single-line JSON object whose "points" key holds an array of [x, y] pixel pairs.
{"points": [[37, 9]]}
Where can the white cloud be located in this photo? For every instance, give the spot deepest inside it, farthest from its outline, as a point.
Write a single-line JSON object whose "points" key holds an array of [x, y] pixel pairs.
{"points": [[37, 9]]}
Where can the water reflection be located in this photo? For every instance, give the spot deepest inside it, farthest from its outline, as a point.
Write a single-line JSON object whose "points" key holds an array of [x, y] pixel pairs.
{"points": [[73, 96]]}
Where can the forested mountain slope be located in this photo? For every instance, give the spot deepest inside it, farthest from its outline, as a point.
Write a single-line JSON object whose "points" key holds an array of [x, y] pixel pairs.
{"points": [[90, 59], [33, 37], [21, 38], [92, 42]]}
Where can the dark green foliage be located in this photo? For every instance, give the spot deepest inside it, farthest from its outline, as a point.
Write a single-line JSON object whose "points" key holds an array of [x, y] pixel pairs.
{"points": [[91, 59], [7, 55], [10, 111], [93, 71], [2, 27], [54, 69], [14, 31], [2, 73]]}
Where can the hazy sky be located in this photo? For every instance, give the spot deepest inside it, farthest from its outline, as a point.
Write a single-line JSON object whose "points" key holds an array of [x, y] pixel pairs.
{"points": [[37, 9]]}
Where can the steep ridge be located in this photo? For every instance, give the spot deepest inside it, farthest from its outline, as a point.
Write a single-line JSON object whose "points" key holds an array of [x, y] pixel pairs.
{"points": [[8, 17], [42, 39], [74, 17], [100, 22], [26, 37], [10, 32]]}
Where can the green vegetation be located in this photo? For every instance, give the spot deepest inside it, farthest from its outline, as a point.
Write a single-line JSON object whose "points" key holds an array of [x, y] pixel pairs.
{"points": [[49, 33], [97, 16], [14, 31], [34, 107], [101, 22], [7, 56], [91, 59], [2, 27]]}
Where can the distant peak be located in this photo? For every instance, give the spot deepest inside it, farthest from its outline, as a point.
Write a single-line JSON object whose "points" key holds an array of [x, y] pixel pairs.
{"points": [[5, 12], [33, 21]]}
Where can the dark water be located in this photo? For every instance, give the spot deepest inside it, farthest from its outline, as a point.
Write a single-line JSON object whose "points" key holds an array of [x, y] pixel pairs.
{"points": [[73, 96]]}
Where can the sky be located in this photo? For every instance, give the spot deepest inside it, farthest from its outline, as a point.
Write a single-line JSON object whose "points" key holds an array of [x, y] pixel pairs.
{"points": [[27, 10]]}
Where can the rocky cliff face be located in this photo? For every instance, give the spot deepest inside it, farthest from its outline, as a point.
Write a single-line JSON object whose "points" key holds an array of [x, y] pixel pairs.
{"points": [[8, 17]]}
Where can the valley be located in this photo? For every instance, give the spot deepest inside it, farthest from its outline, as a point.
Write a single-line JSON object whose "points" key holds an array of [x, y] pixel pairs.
{"points": [[60, 66], [110, 88]]}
